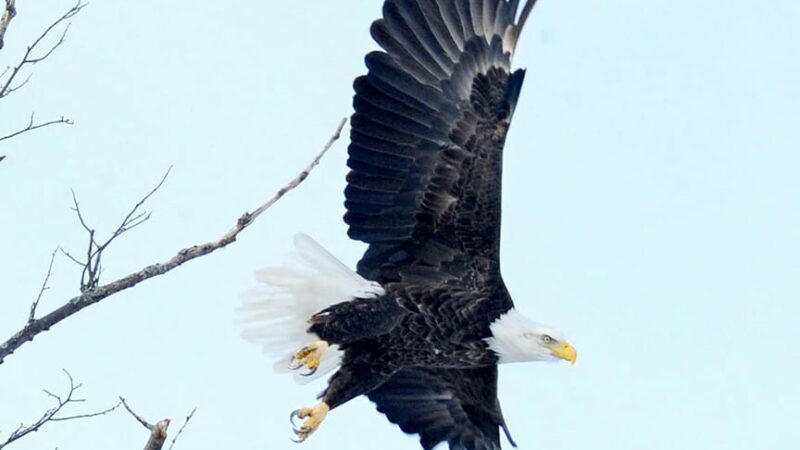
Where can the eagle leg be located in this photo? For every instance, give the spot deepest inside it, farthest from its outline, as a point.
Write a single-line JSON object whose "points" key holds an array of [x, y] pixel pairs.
{"points": [[309, 357], [313, 418]]}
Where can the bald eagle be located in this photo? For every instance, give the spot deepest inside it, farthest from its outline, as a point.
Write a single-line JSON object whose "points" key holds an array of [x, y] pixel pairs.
{"points": [[422, 325]]}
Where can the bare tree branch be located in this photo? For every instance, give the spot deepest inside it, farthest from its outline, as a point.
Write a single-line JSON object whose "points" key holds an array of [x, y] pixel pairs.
{"points": [[8, 13], [90, 276], [95, 294], [7, 87], [31, 126], [50, 414], [31, 57], [186, 422], [158, 432]]}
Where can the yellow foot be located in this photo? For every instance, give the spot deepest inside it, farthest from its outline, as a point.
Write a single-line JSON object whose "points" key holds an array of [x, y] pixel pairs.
{"points": [[314, 417], [309, 357]]}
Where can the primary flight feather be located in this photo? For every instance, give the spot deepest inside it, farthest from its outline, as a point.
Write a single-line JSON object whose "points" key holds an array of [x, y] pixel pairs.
{"points": [[421, 327]]}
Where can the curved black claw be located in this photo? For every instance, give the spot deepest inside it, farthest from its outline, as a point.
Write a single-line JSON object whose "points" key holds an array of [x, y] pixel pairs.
{"points": [[310, 372], [294, 364], [294, 415], [302, 434]]}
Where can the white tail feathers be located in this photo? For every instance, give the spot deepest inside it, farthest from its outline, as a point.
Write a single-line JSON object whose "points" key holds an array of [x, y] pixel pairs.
{"points": [[275, 314]]}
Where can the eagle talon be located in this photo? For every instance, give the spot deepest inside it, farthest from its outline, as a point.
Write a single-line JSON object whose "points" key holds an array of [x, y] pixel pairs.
{"points": [[309, 356], [313, 418]]}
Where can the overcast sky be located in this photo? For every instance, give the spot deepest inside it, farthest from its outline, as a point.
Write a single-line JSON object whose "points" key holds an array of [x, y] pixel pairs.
{"points": [[651, 212]]}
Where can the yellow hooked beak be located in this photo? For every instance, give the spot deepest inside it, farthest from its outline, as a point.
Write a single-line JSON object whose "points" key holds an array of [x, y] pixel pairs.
{"points": [[565, 352]]}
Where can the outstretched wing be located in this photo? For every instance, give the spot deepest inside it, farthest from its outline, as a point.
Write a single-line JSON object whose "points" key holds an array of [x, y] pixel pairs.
{"points": [[457, 406], [427, 138]]}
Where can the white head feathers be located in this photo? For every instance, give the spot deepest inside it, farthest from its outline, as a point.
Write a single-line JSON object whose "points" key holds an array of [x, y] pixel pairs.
{"points": [[516, 338]]}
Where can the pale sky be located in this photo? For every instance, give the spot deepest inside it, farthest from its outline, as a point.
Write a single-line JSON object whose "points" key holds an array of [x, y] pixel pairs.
{"points": [[651, 212]]}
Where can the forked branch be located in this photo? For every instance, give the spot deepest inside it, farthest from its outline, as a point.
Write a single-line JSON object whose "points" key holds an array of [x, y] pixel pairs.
{"points": [[32, 54], [90, 275], [51, 414]]}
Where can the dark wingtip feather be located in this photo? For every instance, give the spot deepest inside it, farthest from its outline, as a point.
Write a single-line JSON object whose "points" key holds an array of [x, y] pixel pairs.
{"points": [[516, 30]]}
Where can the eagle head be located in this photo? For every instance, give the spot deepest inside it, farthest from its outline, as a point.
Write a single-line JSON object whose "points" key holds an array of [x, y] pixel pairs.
{"points": [[516, 338]]}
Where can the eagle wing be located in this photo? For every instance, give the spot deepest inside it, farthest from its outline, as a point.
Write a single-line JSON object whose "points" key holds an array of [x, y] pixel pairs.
{"points": [[457, 406], [430, 122]]}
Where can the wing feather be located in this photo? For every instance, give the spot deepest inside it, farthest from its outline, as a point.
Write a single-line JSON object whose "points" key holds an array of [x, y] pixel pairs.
{"points": [[452, 20], [386, 69], [403, 32], [476, 15], [463, 8], [424, 32], [440, 29]]}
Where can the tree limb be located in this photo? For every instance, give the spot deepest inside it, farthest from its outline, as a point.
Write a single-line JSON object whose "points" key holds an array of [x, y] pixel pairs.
{"points": [[8, 13], [95, 294]]}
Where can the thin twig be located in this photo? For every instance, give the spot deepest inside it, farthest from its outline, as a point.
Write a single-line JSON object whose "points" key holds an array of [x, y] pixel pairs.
{"points": [[77, 208], [96, 294], [130, 220], [186, 422], [44, 287], [50, 414], [70, 257], [31, 126], [87, 416]]}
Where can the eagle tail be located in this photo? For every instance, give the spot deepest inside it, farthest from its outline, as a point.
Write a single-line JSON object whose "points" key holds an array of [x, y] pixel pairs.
{"points": [[275, 313]]}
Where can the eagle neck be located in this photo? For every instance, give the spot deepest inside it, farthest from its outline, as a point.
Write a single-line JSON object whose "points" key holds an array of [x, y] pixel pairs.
{"points": [[506, 338]]}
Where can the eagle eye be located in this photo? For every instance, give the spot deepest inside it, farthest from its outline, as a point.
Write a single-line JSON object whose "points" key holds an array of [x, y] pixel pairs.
{"points": [[547, 339]]}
